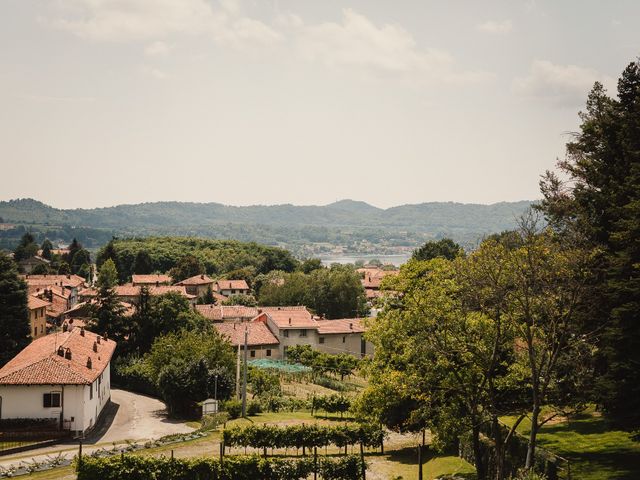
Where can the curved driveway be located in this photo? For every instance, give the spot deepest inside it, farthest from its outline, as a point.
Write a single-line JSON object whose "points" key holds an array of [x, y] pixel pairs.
{"points": [[132, 416]]}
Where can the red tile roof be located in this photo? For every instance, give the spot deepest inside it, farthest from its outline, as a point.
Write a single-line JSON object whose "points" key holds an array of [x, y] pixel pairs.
{"points": [[341, 326], [259, 333], [220, 313], [231, 285], [373, 276], [40, 364], [130, 290], [35, 302], [151, 279], [290, 317], [73, 281], [197, 280]]}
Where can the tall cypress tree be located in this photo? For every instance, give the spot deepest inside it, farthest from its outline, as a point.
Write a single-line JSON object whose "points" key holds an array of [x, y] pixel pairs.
{"points": [[14, 311], [600, 205]]}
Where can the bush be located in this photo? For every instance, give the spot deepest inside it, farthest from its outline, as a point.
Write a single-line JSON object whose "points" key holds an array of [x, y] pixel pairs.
{"points": [[233, 408], [254, 408], [213, 421], [299, 436], [232, 468]]}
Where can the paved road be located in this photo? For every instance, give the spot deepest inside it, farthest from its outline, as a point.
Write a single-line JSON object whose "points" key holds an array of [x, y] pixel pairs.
{"points": [[130, 416]]}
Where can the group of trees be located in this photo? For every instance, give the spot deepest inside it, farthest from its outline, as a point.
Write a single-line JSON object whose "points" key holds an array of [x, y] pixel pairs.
{"points": [[333, 292], [342, 364], [184, 257], [14, 312], [468, 340], [77, 260], [525, 323]]}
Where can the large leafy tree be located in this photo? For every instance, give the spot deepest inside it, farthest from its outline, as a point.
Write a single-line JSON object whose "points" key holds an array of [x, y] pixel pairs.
{"points": [[143, 263], [596, 198], [46, 249], [26, 248], [187, 266], [439, 364], [14, 312], [108, 311], [444, 248]]}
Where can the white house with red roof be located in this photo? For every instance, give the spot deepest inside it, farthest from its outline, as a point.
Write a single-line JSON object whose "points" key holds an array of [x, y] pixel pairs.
{"points": [[232, 287], [61, 376], [261, 343]]}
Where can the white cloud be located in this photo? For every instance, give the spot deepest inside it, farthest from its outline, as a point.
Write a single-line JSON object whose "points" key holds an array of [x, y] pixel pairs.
{"points": [[496, 27], [139, 20], [389, 49], [154, 72], [563, 85], [157, 49]]}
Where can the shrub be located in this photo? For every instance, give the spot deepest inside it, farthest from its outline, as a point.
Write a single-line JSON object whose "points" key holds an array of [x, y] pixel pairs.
{"points": [[254, 408], [232, 468], [213, 421], [233, 408]]}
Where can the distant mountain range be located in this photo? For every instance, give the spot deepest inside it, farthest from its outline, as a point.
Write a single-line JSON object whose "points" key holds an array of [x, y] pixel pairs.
{"points": [[346, 222]]}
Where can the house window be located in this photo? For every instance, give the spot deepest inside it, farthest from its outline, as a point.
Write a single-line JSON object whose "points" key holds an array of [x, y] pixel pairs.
{"points": [[253, 353], [91, 392], [268, 353], [303, 333], [321, 340], [285, 333], [344, 339], [35, 332], [51, 400]]}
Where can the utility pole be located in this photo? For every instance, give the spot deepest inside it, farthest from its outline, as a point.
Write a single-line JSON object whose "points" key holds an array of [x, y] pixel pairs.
{"points": [[244, 373], [238, 374]]}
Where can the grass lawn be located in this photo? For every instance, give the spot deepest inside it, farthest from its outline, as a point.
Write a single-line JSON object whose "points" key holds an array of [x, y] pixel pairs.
{"points": [[595, 450], [404, 463]]}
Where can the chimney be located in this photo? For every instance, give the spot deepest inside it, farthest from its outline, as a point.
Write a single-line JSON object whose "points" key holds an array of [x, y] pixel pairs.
{"points": [[289, 320], [89, 364], [351, 325], [67, 354], [61, 351], [82, 331], [98, 339], [202, 277], [95, 347], [157, 283]]}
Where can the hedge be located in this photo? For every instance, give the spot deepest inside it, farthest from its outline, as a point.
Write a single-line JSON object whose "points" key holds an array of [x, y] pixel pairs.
{"points": [[133, 467], [301, 436]]}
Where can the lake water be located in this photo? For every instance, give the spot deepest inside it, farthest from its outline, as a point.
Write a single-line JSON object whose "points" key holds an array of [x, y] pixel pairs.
{"points": [[396, 260]]}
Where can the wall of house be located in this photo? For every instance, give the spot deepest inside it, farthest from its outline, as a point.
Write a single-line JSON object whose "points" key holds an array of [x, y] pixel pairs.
{"points": [[101, 395], [294, 337], [38, 322], [344, 343], [26, 401], [260, 351]]}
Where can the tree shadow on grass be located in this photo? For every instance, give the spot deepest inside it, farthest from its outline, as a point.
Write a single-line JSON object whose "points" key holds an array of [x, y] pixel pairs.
{"points": [[409, 456]]}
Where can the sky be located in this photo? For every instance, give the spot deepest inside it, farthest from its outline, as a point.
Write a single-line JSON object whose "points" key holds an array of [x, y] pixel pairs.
{"points": [[105, 102]]}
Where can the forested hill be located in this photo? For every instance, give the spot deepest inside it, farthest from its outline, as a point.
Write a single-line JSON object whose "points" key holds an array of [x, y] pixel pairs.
{"points": [[306, 230], [428, 217]]}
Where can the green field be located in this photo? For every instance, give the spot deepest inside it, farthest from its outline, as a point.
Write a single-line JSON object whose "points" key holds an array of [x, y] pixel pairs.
{"points": [[595, 450]]}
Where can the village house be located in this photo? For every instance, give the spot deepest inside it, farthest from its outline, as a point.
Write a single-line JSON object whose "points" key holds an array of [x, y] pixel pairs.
{"points": [[37, 316], [154, 280], [129, 293], [343, 336], [61, 376], [290, 325], [232, 287], [71, 284], [372, 279], [261, 343], [227, 313], [26, 265], [197, 285]]}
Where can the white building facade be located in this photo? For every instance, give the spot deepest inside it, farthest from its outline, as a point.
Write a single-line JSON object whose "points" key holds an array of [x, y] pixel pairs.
{"points": [[64, 377]]}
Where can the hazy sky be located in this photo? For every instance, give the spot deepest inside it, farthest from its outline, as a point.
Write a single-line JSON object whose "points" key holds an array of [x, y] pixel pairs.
{"points": [[297, 101]]}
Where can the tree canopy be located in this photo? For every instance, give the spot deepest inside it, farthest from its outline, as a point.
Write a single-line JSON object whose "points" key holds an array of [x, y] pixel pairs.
{"points": [[14, 312]]}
